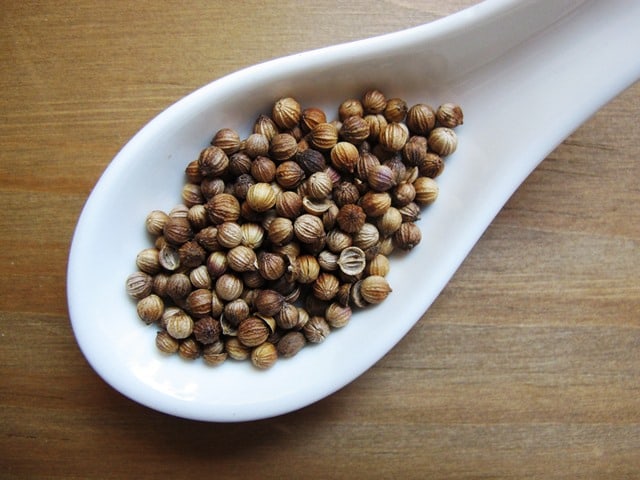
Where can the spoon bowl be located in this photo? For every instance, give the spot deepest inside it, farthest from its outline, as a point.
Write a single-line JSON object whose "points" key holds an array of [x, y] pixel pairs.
{"points": [[527, 74]]}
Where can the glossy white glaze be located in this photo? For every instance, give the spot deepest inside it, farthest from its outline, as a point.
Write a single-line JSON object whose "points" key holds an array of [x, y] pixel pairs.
{"points": [[527, 73]]}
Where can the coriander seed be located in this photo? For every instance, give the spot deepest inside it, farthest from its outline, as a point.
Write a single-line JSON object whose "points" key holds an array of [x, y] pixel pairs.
{"points": [[421, 119], [148, 261], [374, 289], [449, 115], [227, 140], [150, 308], [139, 285], [443, 141], [207, 330], [395, 110], [407, 236], [354, 130], [189, 349], [290, 344], [265, 126], [283, 147], [351, 218], [350, 108], [253, 331], [166, 343], [256, 145], [308, 228], [264, 355], [261, 197], [316, 330], [286, 113], [213, 162], [223, 207], [426, 190], [337, 316], [155, 222], [324, 136], [263, 169], [242, 259], [374, 101], [268, 302], [310, 117], [228, 287], [179, 325]]}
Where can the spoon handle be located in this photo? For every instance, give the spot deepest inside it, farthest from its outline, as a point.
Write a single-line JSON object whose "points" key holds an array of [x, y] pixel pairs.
{"points": [[527, 73], [558, 63], [540, 91]]}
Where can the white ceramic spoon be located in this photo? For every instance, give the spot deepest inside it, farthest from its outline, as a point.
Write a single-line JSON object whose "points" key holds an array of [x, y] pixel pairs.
{"points": [[527, 73]]}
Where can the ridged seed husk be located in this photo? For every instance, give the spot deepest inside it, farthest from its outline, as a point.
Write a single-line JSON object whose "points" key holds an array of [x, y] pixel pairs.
{"points": [[242, 259], [374, 289], [352, 261]]}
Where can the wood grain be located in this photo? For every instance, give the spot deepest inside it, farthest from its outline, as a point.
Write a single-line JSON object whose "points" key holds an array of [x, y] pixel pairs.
{"points": [[527, 365]]}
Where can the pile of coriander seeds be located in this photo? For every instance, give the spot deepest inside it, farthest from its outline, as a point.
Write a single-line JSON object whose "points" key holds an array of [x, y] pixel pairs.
{"points": [[281, 235]]}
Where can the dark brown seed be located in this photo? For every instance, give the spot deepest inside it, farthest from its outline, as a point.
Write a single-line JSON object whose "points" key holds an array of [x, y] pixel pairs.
{"points": [[290, 344], [351, 218], [207, 330], [268, 302]]}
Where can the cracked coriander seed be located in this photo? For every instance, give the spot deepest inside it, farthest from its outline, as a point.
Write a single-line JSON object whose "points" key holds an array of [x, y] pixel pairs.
{"points": [[139, 285], [449, 115]]}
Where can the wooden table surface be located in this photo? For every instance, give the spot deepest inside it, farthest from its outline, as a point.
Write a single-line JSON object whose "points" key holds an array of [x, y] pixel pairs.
{"points": [[527, 365]]}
